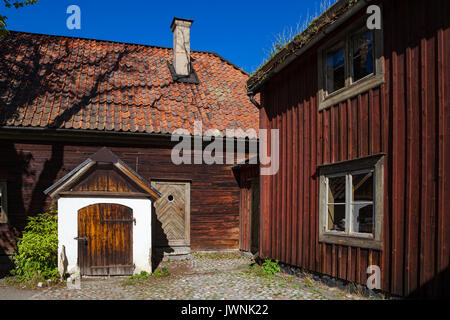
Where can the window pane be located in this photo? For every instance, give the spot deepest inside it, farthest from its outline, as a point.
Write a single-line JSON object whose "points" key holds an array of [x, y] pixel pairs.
{"points": [[362, 187], [335, 70], [336, 191], [362, 218], [336, 217], [362, 55]]}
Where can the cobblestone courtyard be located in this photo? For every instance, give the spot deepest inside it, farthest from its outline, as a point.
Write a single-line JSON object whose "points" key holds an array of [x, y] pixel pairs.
{"points": [[200, 277]]}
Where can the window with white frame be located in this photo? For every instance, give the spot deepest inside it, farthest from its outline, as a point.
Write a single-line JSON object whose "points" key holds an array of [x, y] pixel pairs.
{"points": [[3, 203], [350, 202], [350, 64]]}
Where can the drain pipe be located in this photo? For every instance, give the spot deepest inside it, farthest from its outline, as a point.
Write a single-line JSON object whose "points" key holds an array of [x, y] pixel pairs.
{"points": [[251, 95]]}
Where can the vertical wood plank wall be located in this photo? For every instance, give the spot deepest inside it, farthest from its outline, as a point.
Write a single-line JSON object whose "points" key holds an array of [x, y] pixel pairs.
{"points": [[30, 167], [408, 118]]}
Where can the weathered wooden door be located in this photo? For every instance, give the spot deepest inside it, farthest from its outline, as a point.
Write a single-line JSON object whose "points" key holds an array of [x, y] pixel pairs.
{"points": [[105, 239], [249, 216], [172, 225], [255, 216]]}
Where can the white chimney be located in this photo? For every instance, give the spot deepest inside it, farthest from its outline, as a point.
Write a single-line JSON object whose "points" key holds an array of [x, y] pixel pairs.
{"points": [[181, 45]]}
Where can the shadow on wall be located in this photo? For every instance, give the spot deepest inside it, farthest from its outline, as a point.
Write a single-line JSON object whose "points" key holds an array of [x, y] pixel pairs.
{"points": [[14, 168], [438, 287], [159, 238], [7, 243], [21, 182]]}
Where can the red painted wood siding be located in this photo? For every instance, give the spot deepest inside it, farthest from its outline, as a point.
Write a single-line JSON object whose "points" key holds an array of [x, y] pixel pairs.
{"points": [[408, 118], [31, 167]]}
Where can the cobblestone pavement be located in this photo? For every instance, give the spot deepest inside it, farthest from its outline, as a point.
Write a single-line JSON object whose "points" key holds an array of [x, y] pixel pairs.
{"points": [[200, 277]]}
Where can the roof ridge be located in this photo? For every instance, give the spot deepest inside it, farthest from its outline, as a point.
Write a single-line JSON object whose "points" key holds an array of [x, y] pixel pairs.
{"points": [[134, 44]]}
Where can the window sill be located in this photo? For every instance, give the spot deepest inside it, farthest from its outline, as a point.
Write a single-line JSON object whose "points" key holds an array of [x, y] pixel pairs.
{"points": [[349, 240], [354, 89]]}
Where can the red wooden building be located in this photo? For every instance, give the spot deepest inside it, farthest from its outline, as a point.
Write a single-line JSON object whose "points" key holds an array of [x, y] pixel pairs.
{"points": [[363, 116], [63, 99]]}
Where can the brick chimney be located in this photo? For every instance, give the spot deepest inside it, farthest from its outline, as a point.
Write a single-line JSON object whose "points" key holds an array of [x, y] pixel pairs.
{"points": [[181, 29]]}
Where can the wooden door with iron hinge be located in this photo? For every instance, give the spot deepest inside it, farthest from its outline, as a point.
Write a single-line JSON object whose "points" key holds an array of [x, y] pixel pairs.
{"points": [[105, 240], [172, 213]]}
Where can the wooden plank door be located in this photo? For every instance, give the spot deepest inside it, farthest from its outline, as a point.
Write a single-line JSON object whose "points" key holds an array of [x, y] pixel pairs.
{"points": [[255, 216], [105, 240], [171, 225], [249, 216]]}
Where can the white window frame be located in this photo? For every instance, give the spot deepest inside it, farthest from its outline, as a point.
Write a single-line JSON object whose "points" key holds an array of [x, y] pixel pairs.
{"points": [[374, 164], [4, 202], [351, 88]]}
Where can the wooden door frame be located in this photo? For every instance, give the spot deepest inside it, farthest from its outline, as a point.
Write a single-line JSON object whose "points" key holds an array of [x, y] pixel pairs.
{"points": [[187, 213]]}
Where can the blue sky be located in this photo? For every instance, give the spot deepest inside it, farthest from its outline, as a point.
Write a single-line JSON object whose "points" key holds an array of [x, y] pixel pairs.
{"points": [[240, 31]]}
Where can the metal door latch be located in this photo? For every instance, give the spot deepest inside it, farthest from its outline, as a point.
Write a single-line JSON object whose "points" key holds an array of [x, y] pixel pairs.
{"points": [[85, 239]]}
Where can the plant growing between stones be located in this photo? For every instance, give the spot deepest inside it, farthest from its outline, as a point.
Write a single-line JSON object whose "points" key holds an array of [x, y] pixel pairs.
{"points": [[163, 272], [271, 267], [143, 276], [268, 269]]}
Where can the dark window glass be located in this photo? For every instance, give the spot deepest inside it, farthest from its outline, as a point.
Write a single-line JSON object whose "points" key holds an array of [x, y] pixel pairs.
{"points": [[362, 218], [362, 54], [335, 70], [362, 202], [362, 189], [336, 217], [336, 203], [336, 191]]}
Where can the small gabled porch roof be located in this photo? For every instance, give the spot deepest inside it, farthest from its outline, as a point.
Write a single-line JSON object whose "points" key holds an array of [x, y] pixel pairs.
{"points": [[131, 183]]}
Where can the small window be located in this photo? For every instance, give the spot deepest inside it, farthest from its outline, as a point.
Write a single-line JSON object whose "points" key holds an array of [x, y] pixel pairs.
{"points": [[351, 202], [357, 209], [3, 203], [350, 65]]}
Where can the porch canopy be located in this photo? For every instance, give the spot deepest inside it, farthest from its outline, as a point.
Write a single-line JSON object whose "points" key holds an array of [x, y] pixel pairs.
{"points": [[104, 218]]}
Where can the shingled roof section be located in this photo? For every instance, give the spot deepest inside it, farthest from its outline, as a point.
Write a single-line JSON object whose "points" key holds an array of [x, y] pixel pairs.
{"points": [[73, 83]]}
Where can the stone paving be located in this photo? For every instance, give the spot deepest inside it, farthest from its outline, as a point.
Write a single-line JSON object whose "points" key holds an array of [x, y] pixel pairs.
{"points": [[199, 278]]}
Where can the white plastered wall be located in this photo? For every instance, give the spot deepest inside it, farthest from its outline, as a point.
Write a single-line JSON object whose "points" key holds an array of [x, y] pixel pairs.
{"points": [[68, 229]]}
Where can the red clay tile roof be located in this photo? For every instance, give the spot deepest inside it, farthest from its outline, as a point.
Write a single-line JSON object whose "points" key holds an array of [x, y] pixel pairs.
{"points": [[72, 83]]}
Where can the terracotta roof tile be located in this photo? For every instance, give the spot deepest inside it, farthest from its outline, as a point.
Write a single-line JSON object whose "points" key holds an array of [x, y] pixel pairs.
{"points": [[60, 82]]}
